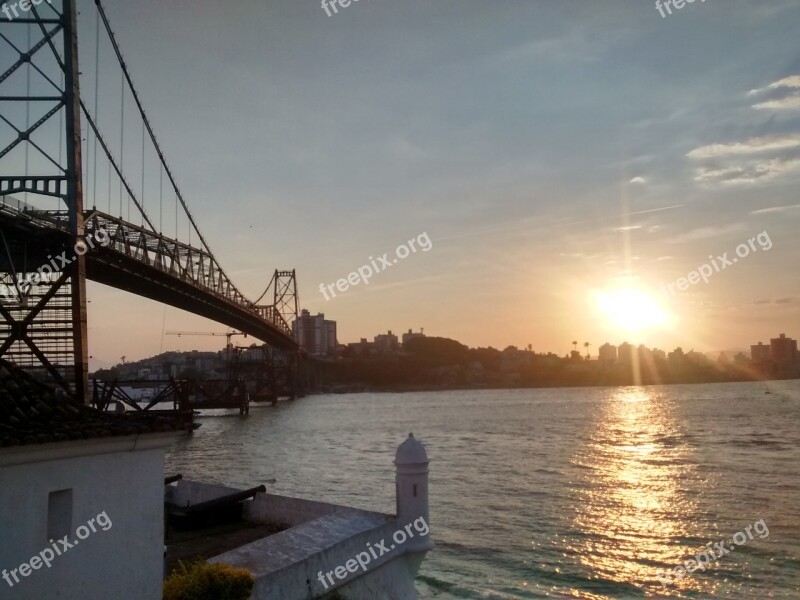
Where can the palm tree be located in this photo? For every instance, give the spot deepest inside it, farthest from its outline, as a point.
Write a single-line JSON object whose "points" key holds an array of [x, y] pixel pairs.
{"points": [[575, 346], [586, 345]]}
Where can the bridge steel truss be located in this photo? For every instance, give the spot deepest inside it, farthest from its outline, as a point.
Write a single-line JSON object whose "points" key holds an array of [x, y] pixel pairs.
{"points": [[44, 327]]}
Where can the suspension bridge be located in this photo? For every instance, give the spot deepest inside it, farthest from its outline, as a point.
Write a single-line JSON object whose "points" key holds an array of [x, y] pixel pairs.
{"points": [[86, 192]]}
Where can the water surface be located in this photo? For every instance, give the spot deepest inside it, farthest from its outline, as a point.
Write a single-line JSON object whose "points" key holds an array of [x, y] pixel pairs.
{"points": [[567, 493]]}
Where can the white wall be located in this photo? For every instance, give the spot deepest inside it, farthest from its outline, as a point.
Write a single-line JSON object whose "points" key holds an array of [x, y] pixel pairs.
{"points": [[124, 562]]}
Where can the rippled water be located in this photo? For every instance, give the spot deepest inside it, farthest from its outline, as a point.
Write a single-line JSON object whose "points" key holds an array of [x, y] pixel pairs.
{"points": [[568, 493]]}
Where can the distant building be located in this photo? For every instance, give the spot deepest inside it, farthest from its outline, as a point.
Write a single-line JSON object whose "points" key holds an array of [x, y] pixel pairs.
{"points": [[607, 353], [411, 335], [362, 347], [625, 353], [315, 334], [760, 353], [677, 356], [386, 342], [783, 350]]}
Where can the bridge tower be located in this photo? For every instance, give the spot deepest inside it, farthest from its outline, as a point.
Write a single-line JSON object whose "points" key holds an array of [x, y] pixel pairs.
{"points": [[284, 295], [43, 324], [283, 364]]}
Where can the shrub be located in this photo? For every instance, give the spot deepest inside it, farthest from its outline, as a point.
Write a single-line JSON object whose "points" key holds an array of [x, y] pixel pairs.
{"points": [[203, 581]]}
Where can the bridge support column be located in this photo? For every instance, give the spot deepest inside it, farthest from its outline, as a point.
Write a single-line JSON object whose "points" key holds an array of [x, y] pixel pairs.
{"points": [[43, 326]]}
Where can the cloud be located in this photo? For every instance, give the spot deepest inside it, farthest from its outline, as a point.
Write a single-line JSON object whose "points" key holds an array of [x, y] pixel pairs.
{"points": [[737, 163], [638, 180], [703, 233], [628, 228], [790, 102], [792, 81], [776, 209], [755, 172], [770, 143], [786, 300], [652, 210]]}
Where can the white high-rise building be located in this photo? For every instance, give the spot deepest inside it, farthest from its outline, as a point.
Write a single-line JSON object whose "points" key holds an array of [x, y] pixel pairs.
{"points": [[315, 334]]}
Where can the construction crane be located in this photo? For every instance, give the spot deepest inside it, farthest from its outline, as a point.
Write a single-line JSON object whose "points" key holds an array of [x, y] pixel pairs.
{"points": [[227, 335]]}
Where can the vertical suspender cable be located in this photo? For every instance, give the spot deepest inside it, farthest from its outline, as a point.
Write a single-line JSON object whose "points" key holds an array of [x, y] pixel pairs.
{"points": [[137, 101], [87, 163], [28, 106], [122, 148], [96, 98], [109, 187], [142, 198]]}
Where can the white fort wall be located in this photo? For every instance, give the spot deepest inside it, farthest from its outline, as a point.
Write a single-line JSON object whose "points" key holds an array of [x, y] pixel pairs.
{"points": [[288, 565], [122, 477]]}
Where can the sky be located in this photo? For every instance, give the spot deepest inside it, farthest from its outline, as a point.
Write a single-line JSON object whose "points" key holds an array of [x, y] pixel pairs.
{"points": [[566, 160]]}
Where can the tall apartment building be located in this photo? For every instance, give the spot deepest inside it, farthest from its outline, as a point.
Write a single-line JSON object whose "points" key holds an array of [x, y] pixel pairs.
{"points": [[783, 350], [315, 334], [760, 352], [607, 353]]}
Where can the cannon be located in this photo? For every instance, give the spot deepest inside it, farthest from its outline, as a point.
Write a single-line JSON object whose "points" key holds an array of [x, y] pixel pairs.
{"points": [[223, 509]]}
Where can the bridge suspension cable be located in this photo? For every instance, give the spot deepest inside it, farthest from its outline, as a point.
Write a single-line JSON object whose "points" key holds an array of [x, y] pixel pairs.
{"points": [[146, 122]]}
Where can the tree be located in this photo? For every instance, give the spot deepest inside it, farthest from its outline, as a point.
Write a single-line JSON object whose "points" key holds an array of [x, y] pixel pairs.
{"points": [[436, 351], [586, 345], [574, 345]]}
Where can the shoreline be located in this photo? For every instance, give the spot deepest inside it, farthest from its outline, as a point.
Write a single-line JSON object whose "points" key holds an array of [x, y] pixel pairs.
{"points": [[457, 388]]}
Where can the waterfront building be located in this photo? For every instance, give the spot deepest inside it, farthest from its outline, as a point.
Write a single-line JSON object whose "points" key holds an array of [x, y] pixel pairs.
{"points": [[676, 357], [386, 342], [760, 353], [411, 335], [658, 355], [783, 350], [607, 353], [362, 347], [315, 334], [625, 353]]}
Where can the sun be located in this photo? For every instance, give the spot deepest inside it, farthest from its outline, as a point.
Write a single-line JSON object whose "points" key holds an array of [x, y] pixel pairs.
{"points": [[630, 309]]}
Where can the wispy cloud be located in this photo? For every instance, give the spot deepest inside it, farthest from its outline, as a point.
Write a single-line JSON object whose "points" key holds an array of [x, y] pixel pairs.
{"points": [[702, 233], [775, 209], [790, 102], [786, 300], [793, 81], [652, 210], [754, 172], [770, 143]]}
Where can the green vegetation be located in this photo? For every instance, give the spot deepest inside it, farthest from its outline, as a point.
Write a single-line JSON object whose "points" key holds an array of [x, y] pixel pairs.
{"points": [[203, 581]]}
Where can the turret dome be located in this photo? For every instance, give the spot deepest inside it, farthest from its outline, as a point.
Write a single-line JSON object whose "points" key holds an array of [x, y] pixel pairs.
{"points": [[411, 452]]}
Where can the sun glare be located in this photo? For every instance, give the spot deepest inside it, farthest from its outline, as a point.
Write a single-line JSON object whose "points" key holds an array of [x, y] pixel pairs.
{"points": [[630, 309]]}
